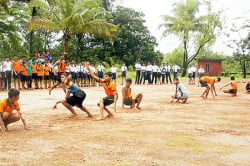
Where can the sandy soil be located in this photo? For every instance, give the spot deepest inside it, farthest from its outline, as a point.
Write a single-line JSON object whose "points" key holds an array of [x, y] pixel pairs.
{"points": [[201, 132]]}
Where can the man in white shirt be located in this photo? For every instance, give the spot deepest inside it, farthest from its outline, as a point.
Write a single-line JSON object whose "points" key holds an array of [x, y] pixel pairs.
{"points": [[190, 74], [113, 71], [194, 70], [143, 73], [168, 71], [2, 75], [138, 72], [100, 70], [124, 72], [149, 70], [7, 67], [175, 69], [163, 73], [201, 73], [154, 70]]}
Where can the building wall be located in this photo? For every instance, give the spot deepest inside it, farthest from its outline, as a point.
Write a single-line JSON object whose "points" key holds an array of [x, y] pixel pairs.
{"points": [[214, 67]]}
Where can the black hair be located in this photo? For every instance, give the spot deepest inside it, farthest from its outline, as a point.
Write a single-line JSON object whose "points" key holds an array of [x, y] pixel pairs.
{"points": [[109, 74], [128, 80], [218, 78], [176, 79], [232, 78], [13, 92]]}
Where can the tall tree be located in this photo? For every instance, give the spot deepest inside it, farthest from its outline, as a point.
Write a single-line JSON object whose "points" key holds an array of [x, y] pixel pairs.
{"points": [[194, 32], [72, 17]]}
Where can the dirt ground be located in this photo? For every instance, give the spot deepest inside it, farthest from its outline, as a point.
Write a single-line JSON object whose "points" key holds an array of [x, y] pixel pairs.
{"points": [[202, 132]]}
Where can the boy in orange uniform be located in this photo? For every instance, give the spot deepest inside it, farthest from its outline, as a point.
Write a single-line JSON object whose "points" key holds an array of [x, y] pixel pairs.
{"points": [[16, 64], [110, 90], [40, 73], [46, 74], [24, 75], [34, 73], [6, 110], [233, 84], [129, 99], [204, 81]]}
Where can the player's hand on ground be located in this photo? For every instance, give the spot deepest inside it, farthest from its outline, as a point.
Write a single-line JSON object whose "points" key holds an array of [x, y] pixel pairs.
{"points": [[26, 128]]}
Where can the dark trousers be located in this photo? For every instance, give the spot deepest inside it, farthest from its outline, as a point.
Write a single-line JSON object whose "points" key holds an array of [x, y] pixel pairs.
{"points": [[163, 78], [175, 74], [168, 77], [7, 80], [154, 77], [137, 78], [30, 81], [143, 76], [149, 77]]}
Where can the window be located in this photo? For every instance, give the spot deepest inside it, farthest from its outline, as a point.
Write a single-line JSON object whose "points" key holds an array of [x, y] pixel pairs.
{"points": [[207, 67]]}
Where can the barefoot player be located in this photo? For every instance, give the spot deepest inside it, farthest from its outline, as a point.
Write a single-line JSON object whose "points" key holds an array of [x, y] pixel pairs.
{"points": [[181, 92], [233, 90], [204, 81], [127, 98], [110, 90]]}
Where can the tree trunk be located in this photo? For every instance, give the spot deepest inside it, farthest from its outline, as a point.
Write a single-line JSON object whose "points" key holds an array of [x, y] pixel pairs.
{"points": [[31, 32], [244, 69], [30, 43], [79, 38], [185, 57], [67, 38]]}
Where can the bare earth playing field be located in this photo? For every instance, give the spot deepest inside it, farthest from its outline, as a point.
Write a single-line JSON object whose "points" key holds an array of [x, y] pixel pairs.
{"points": [[201, 132]]}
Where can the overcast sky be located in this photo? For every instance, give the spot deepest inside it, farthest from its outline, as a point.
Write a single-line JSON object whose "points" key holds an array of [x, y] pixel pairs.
{"points": [[154, 9]]}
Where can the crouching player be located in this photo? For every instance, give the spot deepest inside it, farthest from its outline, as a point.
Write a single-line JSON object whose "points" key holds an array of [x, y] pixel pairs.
{"points": [[233, 90], [127, 98], [76, 99], [6, 110], [181, 92]]}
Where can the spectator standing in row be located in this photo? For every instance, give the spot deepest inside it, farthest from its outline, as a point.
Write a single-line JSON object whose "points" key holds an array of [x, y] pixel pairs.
{"points": [[175, 69], [16, 64], [113, 71], [143, 73], [155, 70], [149, 70], [163, 73], [168, 75], [201, 73], [124, 72], [194, 70], [2, 75], [100, 69], [8, 69], [138, 72]]}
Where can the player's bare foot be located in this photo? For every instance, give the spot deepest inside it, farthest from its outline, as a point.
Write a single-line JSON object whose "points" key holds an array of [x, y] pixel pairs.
{"points": [[138, 107], [54, 107], [202, 97], [73, 115], [110, 116], [90, 116], [100, 118]]}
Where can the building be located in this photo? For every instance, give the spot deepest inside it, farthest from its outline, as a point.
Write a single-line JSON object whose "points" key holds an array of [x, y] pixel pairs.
{"points": [[212, 66]]}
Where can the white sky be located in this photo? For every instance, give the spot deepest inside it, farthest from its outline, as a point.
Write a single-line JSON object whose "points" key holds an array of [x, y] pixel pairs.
{"points": [[154, 9]]}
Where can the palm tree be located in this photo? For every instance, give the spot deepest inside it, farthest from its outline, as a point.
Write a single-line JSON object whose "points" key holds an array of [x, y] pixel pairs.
{"points": [[195, 32], [4, 5], [72, 17]]}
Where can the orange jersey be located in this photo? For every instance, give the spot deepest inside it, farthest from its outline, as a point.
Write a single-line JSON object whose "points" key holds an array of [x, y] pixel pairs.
{"points": [[16, 65], [127, 93], [61, 67], [109, 88], [6, 107], [208, 80], [234, 85], [24, 70], [46, 70], [34, 68], [39, 70]]}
